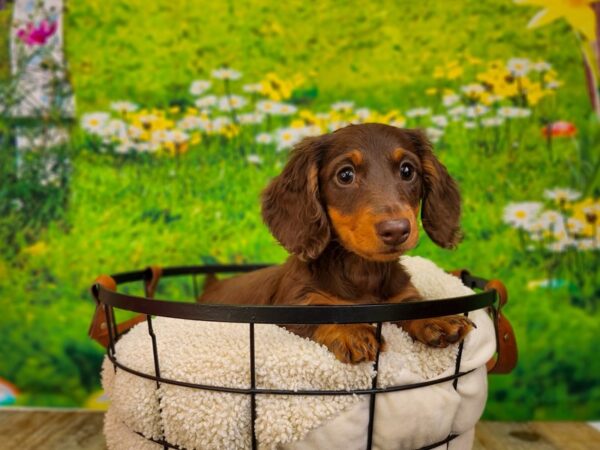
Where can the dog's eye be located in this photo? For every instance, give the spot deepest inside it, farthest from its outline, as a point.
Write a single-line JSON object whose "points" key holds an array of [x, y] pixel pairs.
{"points": [[345, 175], [407, 171]]}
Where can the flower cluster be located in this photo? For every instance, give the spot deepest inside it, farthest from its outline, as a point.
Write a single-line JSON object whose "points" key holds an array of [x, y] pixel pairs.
{"points": [[571, 222], [477, 96], [264, 111]]}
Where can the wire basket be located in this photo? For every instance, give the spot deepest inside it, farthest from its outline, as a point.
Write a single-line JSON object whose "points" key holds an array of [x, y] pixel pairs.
{"points": [[107, 331]]}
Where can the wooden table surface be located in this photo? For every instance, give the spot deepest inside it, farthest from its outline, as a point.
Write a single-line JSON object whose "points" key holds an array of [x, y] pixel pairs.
{"points": [[79, 429]]}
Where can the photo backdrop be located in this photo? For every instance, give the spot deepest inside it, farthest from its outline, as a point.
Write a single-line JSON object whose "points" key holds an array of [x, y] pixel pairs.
{"points": [[186, 109]]}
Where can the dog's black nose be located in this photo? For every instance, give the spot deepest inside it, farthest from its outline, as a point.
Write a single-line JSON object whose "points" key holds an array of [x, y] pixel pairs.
{"points": [[393, 232]]}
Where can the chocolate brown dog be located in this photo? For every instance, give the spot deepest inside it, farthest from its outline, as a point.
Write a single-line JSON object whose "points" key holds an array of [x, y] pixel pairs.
{"points": [[345, 206]]}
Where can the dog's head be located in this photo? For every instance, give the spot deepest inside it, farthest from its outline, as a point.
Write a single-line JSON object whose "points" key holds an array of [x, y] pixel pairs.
{"points": [[363, 186]]}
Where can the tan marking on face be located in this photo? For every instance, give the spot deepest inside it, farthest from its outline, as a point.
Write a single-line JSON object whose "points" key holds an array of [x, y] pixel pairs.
{"points": [[356, 157], [397, 154], [358, 234]]}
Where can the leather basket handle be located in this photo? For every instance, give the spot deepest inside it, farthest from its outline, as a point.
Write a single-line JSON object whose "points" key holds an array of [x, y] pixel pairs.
{"points": [[505, 359], [507, 353], [98, 330]]}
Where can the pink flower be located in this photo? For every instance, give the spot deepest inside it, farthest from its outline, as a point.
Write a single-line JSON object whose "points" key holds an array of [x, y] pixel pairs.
{"points": [[37, 35]]}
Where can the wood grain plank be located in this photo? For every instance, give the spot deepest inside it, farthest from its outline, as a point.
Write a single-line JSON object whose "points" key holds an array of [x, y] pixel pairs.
{"points": [[24, 430], [569, 435], [536, 436], [75, 430], [510, 435]]}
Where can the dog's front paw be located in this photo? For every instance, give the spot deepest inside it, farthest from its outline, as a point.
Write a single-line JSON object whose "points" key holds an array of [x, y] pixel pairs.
{"points": [[439, 331], [352, 343]]}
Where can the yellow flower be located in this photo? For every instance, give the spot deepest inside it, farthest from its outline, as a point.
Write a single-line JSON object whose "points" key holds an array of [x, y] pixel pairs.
{"points": [[578, 13], [454, 73], [195, 138], [431, 91], [278, 89], [297, 123]]}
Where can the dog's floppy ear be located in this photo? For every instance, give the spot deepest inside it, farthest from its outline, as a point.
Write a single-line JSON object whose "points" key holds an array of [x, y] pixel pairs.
{"points": [[440, 212], [291, 205]]}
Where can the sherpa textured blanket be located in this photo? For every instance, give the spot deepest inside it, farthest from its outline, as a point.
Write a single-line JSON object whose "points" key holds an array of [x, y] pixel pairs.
{"points": [[218, 354]]}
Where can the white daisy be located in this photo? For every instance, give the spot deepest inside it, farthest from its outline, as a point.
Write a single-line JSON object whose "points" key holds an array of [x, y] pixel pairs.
{"points": [[158, 137], [552, 221], [177, 136], [284, 109], [434, 134], [252, 118], [254, 159], [473, 90], [511, 112], [312, 130], [199, 87], [561, 245], [362, 113], [519, 67], [266, 106], [147, 119], [252, 88], [450, 99], [224, 73], [575, 226], [521, 215], [114, 130], [561, 195], [219, 123], [125, 147], [469, 125], [264, 138], [541, 66], [418, 112], [134, 132], [123, 106], [586, 244], [492, 122], [287, 138], [476, 111], [457, 111], [192, 123], [439, 121], [206, 102], [231, 102], [554, 84], [94, 122], [343, 106]]}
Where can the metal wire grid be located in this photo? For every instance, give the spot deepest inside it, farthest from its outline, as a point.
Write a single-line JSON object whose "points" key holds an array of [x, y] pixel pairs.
{"points": [[378, 314]]}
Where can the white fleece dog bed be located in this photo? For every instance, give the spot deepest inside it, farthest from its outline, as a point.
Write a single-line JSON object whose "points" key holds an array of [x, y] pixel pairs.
{"points": [[218, 354]]}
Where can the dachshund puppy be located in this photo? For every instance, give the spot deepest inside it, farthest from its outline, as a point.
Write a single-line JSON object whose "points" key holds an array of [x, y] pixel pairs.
{"points": [[346, 207]]}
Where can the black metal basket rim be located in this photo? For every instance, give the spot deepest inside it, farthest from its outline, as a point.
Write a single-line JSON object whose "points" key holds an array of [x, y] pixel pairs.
{"points": [[268, 314]]}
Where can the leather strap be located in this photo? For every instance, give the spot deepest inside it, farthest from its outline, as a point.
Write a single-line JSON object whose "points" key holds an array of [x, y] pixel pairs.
{"points": [[507, 354], [151, 282], [98, 330], [505, 359]]}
